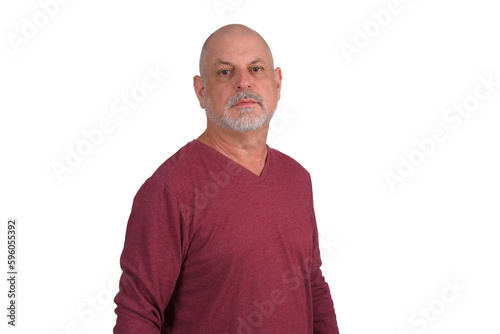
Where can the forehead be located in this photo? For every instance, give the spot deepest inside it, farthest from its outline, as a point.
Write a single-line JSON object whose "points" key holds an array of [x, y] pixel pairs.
{"points": [[237, 48]]}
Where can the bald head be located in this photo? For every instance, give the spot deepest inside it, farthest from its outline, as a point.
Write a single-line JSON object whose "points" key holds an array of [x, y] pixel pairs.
{"points": [[228, 32], [238, 86]]}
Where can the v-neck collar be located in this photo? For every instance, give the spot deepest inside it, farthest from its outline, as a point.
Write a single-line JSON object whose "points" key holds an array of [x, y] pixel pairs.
{"points": [[262, 176]]}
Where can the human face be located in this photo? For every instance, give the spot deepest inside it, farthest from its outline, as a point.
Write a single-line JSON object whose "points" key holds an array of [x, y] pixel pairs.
{"points": [[240, 90]]}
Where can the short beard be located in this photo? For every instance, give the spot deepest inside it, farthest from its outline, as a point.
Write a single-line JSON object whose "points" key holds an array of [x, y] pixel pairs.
{"points": [[246, 120]]}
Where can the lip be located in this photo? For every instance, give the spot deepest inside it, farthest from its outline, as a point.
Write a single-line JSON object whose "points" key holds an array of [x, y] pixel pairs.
{"points": [[245, 102]]}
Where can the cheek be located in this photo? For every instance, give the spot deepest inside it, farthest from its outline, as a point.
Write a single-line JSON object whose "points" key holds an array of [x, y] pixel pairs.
{"points": [[218, 103], [272, 96]]}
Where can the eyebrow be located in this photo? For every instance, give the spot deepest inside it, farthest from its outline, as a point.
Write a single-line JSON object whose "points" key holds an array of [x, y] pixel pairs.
{"points": [[222, 62]]}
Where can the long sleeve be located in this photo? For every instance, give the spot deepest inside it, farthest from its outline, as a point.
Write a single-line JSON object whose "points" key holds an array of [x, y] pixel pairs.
{"points": [[324, 317], [151, 260]]}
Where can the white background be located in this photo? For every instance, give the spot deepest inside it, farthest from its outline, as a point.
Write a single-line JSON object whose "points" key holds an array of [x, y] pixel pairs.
{"points": [[387, 254]]}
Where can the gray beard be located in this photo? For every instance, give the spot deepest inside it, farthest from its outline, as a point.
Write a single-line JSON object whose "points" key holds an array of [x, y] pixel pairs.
{"points": [[247, 120]]}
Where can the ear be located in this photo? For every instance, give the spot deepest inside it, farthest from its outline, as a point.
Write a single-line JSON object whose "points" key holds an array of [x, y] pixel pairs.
{"points": [[199, 89], [277, 78]]}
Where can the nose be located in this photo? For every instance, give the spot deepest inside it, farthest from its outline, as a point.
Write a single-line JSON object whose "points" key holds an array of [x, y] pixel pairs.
{"points": [[243, 80]]}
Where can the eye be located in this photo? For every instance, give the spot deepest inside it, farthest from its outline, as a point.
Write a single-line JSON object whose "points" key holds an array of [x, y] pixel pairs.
{"points": [[256, 69], [224, 72]]}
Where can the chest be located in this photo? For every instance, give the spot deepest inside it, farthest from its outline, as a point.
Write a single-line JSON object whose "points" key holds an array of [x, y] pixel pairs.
{"points": [[251, 229]]}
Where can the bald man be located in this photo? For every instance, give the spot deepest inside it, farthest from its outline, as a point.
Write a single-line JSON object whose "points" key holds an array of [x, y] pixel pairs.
{"points": [[222, 238]]}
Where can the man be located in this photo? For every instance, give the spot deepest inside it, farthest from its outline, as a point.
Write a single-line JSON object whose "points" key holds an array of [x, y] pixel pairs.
{"points": [[222, 238]]}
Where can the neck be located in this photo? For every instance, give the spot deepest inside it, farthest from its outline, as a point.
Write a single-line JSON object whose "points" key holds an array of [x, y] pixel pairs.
{"points": [[245, 148]]}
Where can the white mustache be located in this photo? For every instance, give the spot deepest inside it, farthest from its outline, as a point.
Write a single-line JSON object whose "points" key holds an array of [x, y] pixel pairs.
{"points": [[245, 95]]}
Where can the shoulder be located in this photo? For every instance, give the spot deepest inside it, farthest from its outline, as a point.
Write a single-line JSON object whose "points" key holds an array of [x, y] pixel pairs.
{"points": [[288, 165], [173, 170], [286, 161], [181, 162]]}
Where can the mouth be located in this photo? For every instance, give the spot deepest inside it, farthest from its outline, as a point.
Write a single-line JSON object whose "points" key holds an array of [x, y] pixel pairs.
{"points": [[245, 103]]}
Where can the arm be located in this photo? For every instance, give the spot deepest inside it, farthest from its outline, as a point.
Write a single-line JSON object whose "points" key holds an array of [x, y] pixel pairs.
{"points": [[324, 318], [151, 260]]}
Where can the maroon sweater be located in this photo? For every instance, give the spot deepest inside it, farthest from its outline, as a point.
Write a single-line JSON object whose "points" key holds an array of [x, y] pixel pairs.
{"points": [[211, 247]]}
